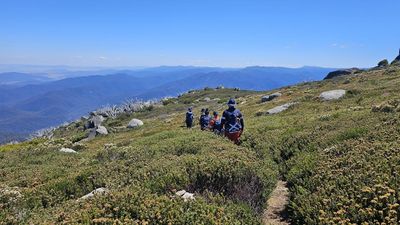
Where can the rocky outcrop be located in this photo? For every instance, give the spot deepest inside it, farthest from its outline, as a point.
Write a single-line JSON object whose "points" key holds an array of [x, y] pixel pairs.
{"points": [[88, 125], [384, 63], [97, 120], [94, 121], [135, 123], [281, 108], [339, 73], [68, 150], [332, 95], [92, 134], [270, 97], [396, 61], [94, 125]]}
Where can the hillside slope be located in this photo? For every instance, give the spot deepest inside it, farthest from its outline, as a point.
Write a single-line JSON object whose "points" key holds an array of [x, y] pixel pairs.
{"points": [[340, 159]]}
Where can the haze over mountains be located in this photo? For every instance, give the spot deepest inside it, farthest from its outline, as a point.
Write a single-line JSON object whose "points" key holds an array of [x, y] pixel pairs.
{"points": [[20, 79], [33, 101]]}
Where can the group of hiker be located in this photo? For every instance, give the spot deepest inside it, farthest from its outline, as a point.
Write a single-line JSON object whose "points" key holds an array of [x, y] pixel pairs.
{"points": [[231, 124]]}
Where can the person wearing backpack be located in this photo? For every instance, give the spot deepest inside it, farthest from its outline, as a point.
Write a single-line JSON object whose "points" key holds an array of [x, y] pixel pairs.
{"points": [[202, 114], [189, 118], [215, 123], [205, 120], [232, 121]]}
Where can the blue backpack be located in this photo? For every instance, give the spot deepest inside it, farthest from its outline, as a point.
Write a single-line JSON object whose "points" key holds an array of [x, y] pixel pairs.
{"points": [[232, 124], [189, 117], [204, 121]]}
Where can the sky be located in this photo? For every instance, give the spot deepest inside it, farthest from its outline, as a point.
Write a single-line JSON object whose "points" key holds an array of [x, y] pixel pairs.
{"points": [[225, 33]]}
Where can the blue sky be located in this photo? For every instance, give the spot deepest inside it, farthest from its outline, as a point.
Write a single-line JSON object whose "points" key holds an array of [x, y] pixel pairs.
{"points": [[229, 33]]}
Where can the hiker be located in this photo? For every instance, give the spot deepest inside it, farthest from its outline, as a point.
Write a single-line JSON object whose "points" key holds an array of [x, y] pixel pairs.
{"points": [[232, 122], [215, 123], [201, 115], [189, 118], [205, 120]]}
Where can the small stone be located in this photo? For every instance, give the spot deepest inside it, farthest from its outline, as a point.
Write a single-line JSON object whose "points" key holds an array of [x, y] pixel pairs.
{"points": [[330, 149], [68, 150], [188, 196], [185, 195], [356, 108], [98, 191], [109, 145], [180, 193]]}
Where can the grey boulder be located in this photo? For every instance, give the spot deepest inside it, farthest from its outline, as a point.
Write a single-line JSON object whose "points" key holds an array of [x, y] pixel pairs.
{"points": [[281, 108], [135, 123], [270, 97], [332, 95], [97, 120], [101, 130]]}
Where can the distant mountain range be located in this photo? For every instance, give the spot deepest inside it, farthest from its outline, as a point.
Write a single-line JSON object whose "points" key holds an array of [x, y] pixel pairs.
{"points": [[20, 79], [29, 102]]}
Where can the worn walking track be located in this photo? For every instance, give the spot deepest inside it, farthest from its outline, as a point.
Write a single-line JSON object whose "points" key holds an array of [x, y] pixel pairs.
{"points": [[275, 214]]}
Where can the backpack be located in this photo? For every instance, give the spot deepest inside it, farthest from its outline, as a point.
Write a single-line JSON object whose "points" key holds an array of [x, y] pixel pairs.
{"points": [[233, 124], [217, 125], [204, 121], [189, 116]]}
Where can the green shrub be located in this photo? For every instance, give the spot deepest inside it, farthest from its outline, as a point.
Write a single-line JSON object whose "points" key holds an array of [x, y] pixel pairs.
{"points": [[352, 133]]}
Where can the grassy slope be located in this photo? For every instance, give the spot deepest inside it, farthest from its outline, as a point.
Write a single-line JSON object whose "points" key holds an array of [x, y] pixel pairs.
{"points": [[340, 160]]}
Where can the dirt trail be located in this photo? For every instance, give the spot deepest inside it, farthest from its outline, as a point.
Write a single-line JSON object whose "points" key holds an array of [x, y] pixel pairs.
{"points": [[275, 214]]}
